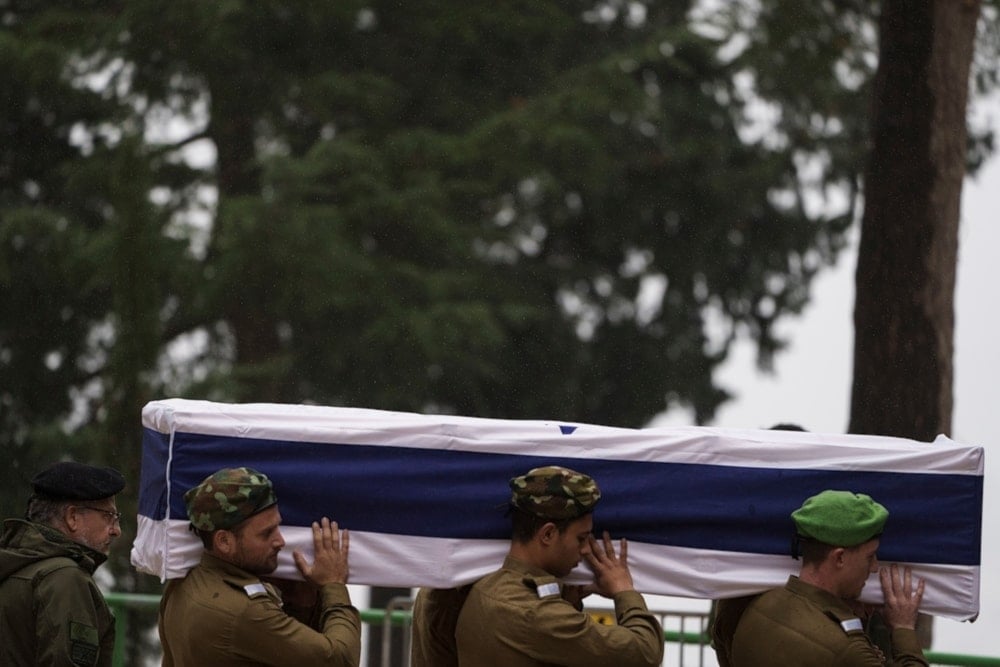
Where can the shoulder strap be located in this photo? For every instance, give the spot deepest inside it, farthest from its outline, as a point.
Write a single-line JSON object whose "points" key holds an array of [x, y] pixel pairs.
{"points": [[849, 623], [43, 567]]}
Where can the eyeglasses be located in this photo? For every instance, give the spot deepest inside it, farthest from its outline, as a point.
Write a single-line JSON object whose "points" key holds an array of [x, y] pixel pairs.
{"points": [[113, 517]]}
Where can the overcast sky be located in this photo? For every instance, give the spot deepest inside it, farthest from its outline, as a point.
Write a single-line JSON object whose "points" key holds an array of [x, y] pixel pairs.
{"points": [[811, 383]]}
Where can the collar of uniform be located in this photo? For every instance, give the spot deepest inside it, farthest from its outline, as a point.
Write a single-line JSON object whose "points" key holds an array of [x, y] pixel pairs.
{"points": [[535, 577], [832, 604], [511, 563], [23, 532]]}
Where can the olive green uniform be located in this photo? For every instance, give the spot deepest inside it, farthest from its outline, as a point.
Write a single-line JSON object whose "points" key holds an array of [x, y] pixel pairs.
{"points": [[52, 614], [802, 625], [724, 618], [516, 617], [435, 614], [222, 616]]}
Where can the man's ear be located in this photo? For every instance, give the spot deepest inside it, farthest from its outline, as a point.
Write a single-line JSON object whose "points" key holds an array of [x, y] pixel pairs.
{"points": [[548, 533], [71, 518], [224, 542], [837, 555]]}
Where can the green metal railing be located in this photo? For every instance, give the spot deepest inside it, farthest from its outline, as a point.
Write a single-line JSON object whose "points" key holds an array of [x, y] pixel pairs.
{"points": [[120, 602], [933, 657], [936, 658]]}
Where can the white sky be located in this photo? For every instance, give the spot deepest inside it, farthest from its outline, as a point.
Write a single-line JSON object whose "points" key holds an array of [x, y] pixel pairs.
{"points": [[811, 382]]}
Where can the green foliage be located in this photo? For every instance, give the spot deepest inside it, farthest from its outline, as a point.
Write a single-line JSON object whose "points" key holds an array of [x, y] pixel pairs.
{"points": [[521, 209]]}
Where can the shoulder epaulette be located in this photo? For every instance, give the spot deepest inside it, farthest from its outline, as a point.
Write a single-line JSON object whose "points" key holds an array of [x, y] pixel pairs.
{"points": [[548, 590], [849, 624], [852, 625], [545, 586], [255, 590]]}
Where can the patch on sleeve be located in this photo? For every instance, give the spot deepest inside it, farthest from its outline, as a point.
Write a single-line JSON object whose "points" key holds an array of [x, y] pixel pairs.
{"points": [[84, 644]]}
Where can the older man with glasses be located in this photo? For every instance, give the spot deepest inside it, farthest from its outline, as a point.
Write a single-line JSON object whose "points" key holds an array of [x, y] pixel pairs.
{"points": [[51, 611]]}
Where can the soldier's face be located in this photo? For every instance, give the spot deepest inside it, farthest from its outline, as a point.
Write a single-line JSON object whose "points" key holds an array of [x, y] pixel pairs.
{"points": [[570, 546], [859, 562], [258, 542], [95, 524]]}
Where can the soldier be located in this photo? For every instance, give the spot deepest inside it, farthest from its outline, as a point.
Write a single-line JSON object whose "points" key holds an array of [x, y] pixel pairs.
{"points": [[812, 620], [435, 614], [521, 616], [723, 618], [222, 614], [51, 611], [725, 614]]}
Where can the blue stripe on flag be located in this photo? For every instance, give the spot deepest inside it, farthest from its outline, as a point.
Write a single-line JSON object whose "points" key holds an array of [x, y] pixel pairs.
{"points": [[934, 518], [153, 476]]}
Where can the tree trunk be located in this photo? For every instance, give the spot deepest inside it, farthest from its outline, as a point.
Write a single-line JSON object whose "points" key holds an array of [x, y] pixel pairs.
{"points": [[243, 301], [904, 306], [904, 312]]}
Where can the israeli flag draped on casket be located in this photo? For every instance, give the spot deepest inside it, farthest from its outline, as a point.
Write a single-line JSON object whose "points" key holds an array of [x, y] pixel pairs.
{"points": [[705, 510]]}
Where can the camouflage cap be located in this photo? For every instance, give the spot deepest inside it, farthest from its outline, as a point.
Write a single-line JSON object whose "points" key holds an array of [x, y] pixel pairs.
{"points": [[553, 492], [840, 518], [228, 497]]}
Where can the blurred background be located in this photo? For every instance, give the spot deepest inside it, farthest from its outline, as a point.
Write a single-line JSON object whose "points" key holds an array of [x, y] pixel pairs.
{"points": [[618, 212]]}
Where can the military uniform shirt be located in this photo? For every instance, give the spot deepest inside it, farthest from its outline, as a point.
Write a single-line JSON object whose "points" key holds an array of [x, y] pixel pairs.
{"points": [[222, 616], [724, 618], [516, 617], [801, 625], [435, 614]]}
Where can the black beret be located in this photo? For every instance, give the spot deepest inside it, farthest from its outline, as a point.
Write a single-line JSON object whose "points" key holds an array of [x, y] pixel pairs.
{"points": [[69, 480]]}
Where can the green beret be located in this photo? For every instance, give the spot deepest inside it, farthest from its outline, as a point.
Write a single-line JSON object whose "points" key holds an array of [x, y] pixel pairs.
{"points": [[552, 492], [69, 480], [228, 497], [840, 518]]}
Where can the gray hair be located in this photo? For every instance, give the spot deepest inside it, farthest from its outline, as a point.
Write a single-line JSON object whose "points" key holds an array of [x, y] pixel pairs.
{"points": [[45, 510]]}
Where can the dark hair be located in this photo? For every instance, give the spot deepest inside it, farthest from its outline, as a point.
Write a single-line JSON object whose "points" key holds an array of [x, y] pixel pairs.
{"points": [[204, 535], [207, 536], [525, 525], [812, 551], [785, 426]]}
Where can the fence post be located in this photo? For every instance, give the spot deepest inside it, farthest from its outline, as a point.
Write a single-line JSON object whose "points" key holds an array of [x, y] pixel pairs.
{"points": [[395, 604]]}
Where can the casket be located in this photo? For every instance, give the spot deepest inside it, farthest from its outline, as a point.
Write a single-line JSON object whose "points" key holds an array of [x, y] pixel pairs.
{"points": [[705, 510]]}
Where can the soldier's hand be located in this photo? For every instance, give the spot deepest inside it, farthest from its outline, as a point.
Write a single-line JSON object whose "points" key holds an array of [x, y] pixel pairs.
{"points": [[330, 547], [902, 602], [611, 573]]}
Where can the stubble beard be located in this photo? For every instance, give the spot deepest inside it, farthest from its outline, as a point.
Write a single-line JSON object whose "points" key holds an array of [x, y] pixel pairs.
{"points": [[261, 566]]}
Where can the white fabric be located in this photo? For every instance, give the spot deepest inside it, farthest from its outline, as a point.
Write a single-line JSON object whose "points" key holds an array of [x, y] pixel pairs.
{"points": [[166, 548]]}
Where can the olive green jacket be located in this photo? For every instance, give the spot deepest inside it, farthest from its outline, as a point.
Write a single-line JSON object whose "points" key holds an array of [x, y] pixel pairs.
{"points": [[724, 618], [223, 616], [52, 614], [516, 617], [802, 625], [435, 614]]}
